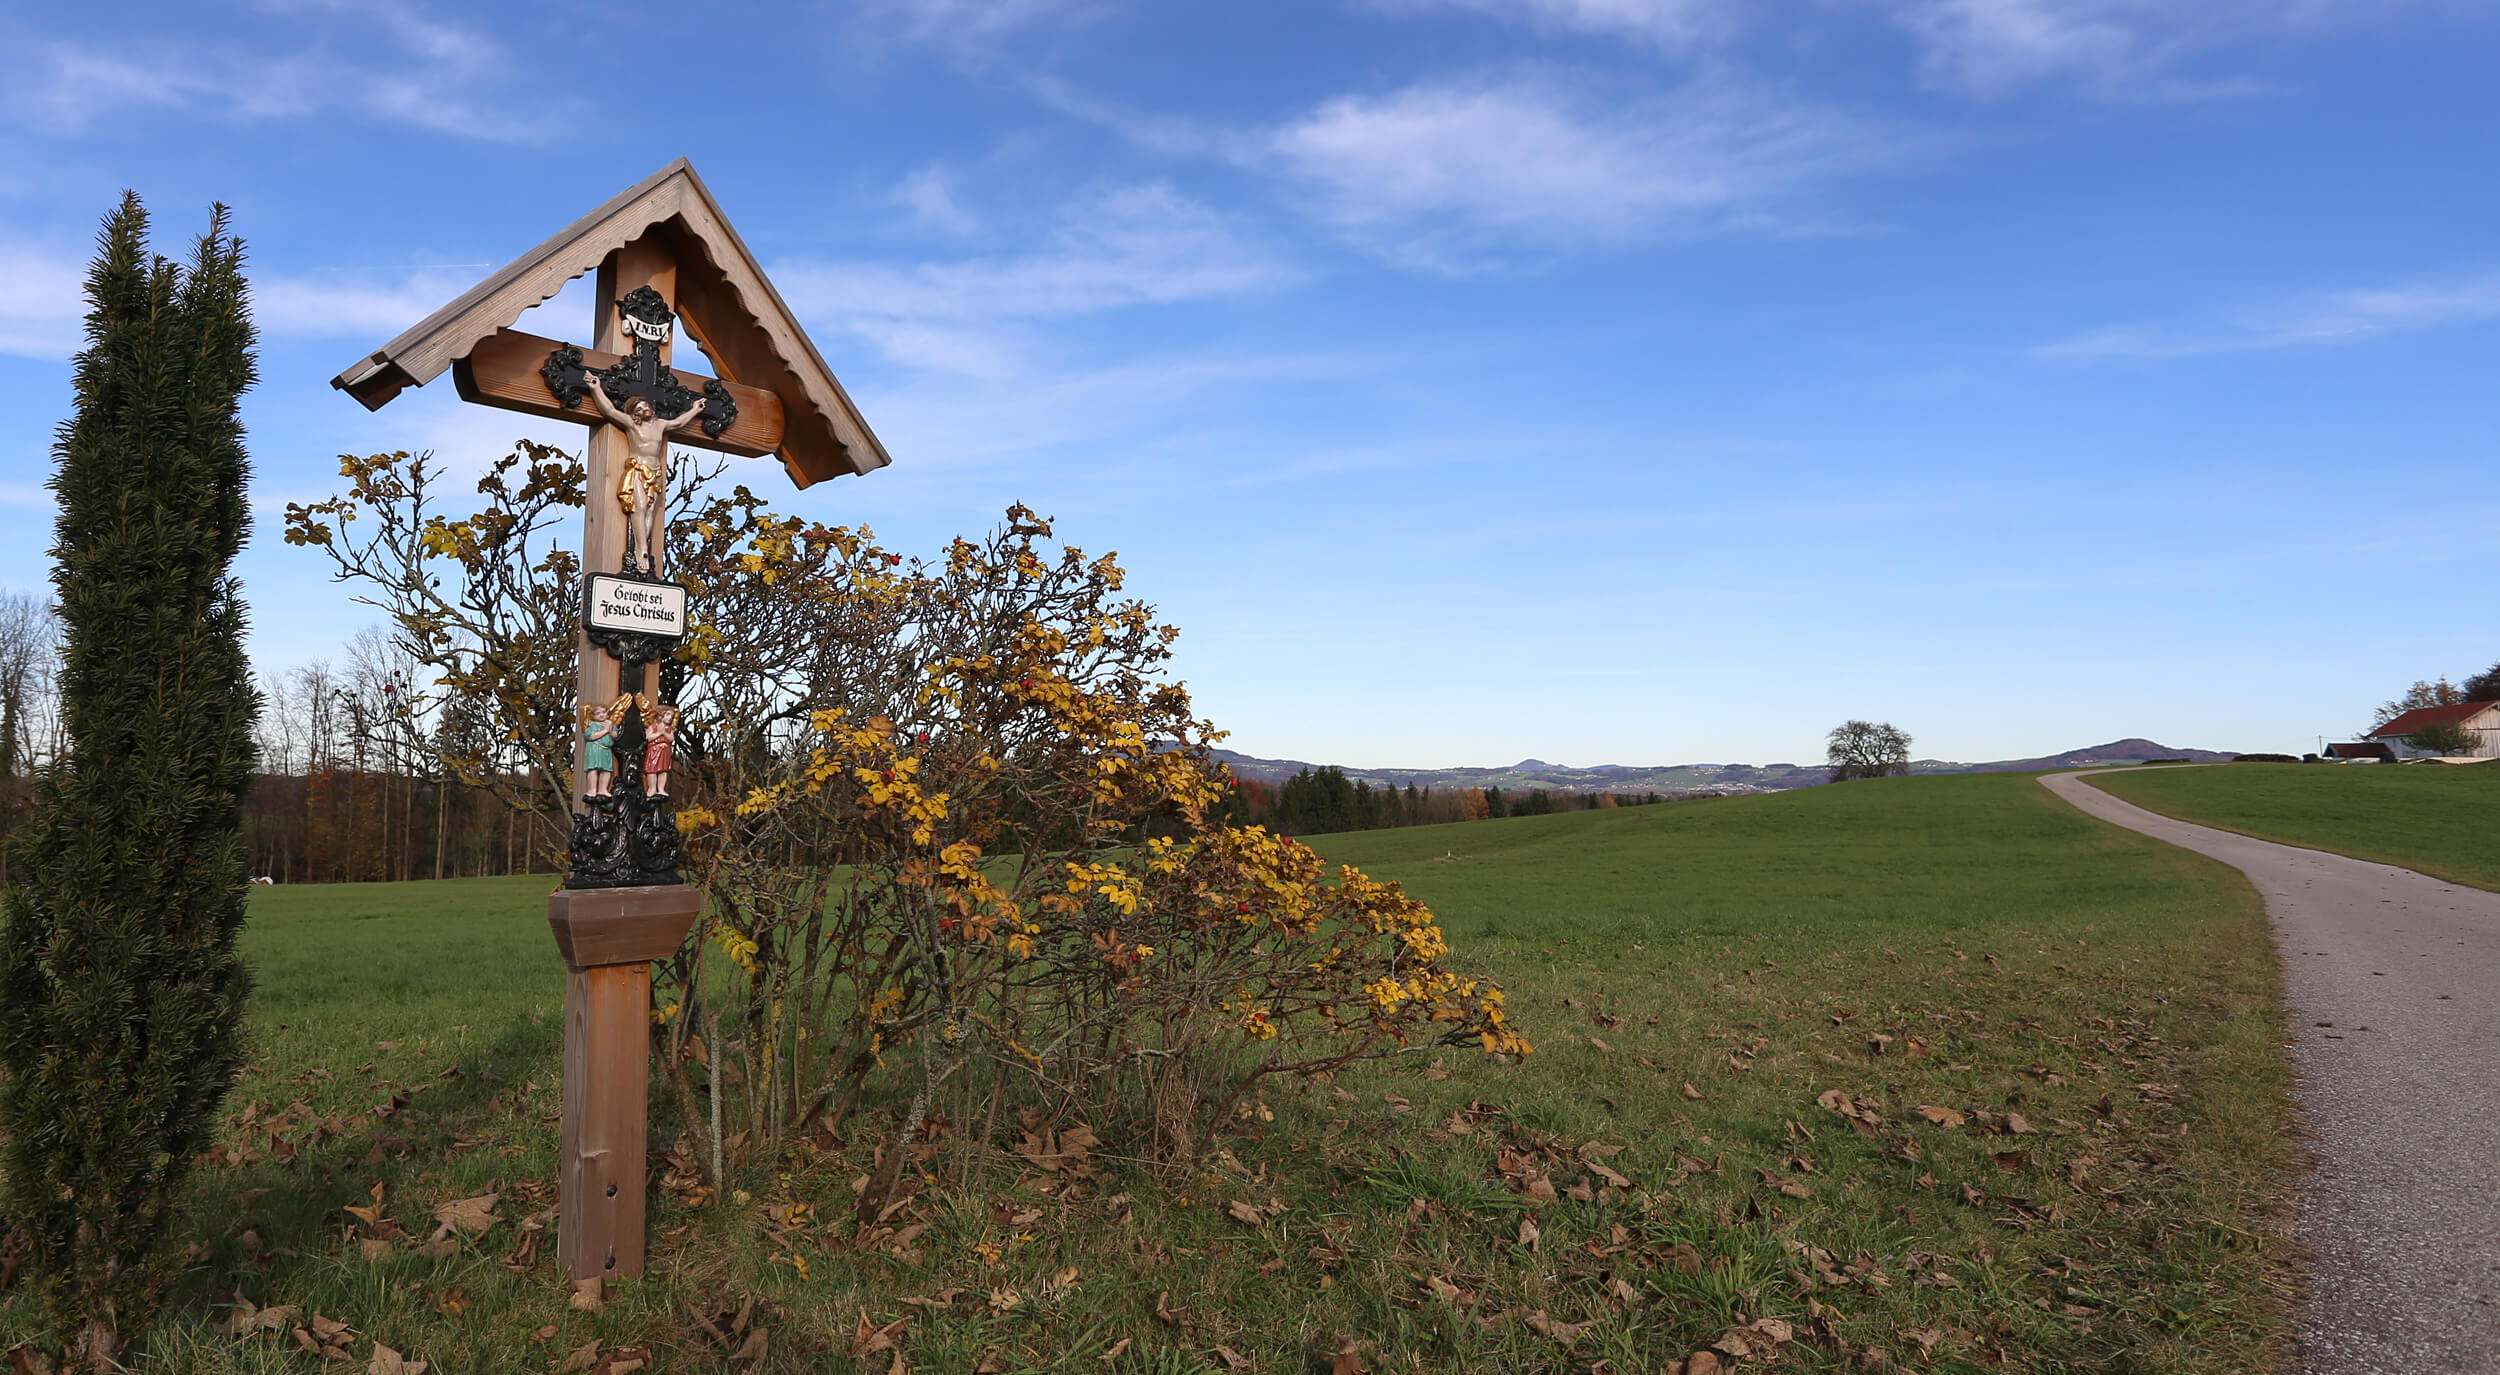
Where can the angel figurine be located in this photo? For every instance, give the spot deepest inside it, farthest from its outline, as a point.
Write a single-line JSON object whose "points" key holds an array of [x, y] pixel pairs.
{"points": [[659, 750], [598, 750]]}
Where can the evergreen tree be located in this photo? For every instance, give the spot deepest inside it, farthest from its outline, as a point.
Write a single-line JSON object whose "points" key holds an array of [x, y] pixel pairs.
{"points": [[121, 995]]}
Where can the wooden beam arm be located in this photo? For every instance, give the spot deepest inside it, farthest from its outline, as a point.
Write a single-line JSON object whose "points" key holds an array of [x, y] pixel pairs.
{"points": [[502, 371]]}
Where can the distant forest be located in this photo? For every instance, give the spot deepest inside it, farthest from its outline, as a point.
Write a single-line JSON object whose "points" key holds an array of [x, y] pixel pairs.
{"points": [[350, 786], [1321, 801]]}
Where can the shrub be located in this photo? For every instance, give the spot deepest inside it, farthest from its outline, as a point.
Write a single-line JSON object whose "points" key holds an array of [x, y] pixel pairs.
{"points": [[2263, 759], [121, 995], [2443, 737], [1035, 898], [961, 838]]}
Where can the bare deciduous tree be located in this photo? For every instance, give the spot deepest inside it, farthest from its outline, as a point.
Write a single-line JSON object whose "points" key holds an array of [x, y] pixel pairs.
{"points": [[1867, 749]]}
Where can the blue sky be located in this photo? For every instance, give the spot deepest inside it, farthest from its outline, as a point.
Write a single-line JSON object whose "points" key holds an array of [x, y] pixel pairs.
{"points": [[1633, 381]]}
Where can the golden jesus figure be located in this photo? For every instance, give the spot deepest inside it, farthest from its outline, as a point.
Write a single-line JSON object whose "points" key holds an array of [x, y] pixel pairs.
{"points": [[643, 488]]}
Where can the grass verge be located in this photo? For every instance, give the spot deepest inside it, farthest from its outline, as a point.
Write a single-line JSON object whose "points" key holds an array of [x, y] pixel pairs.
{"points": [[1924, 1074], [2434, 818]]}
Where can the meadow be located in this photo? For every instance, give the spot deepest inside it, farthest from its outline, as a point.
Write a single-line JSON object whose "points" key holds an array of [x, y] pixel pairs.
{"points": [[2434, 818], [1920, 1074]]}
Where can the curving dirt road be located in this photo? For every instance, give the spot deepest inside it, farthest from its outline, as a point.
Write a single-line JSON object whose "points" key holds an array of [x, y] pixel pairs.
{"points": [[2393, 983]]}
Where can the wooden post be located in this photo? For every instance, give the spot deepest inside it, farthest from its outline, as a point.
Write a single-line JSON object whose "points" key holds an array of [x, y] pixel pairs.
{"points": [[608, 937]]}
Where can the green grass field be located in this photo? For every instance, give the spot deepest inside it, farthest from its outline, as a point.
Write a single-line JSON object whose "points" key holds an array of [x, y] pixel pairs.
{"points": [[2436, 818], [1701, 979]]}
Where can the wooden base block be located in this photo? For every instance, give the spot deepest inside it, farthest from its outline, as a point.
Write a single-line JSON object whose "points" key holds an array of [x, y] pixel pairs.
{"points": [[596, 926]]}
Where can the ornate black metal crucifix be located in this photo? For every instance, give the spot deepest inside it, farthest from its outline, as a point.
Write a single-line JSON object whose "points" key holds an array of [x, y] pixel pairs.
{"points": [[646, 317], [625, 837]]}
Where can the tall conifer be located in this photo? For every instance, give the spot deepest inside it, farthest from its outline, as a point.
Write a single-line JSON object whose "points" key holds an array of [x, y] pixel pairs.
{"points": [[121, 995]]}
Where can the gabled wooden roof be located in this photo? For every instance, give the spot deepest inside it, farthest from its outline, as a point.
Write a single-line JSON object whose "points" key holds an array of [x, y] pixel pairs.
{"points": [[723, 299]]}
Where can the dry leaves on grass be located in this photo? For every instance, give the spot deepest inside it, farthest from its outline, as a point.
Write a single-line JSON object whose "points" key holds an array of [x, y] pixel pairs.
{"points": [[388, 1362], [465, 1216], [867, 1337], [1861, 1112], [246, 1319], [1564, 1333], [327, 1338], [1946, 1118], [377, 1226], [1759, 1338], [1063, 1151]]}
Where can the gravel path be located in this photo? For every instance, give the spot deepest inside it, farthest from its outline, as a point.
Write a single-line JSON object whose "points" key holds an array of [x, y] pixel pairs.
{"points": [[2393, 980]]}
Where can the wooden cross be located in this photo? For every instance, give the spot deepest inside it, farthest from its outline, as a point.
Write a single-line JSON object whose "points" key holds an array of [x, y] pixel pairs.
{"points": [[662, 253]]}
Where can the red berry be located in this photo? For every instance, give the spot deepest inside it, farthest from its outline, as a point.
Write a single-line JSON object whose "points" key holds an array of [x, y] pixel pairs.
{"points": [[1244, 907], [921, 738], [889, 775]]}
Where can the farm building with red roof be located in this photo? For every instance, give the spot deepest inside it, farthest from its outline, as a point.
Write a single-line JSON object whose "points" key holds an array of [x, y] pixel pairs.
{"points": [[2481, 721]]}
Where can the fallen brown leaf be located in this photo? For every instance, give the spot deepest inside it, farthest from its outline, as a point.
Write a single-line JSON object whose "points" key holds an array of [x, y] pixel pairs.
{"points": [[388, 1362], [583, 1358], [1946, 1118], [867, 1337], [464, 1216], [249, 1319], [944, 1298], [1564, 1332]]}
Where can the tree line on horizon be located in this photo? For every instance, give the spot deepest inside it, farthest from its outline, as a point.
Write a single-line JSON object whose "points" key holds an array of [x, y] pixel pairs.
{"points": [[1325, 800], [350, 783]]}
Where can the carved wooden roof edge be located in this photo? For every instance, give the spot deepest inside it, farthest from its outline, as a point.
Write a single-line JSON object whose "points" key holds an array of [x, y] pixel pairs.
{"points": [[414, 356], [745, 277]]}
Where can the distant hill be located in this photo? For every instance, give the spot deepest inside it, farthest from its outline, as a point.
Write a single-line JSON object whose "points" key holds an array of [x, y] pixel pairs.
{"points": [[2132, 750], [1688, 779]]}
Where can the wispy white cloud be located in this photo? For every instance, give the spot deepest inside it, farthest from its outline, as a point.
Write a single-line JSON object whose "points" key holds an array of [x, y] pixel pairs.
{"points": [[2117, 49], [2332, 318], [46, 300], [1443, 170], [1137, 246], [420, 72], [1668, 24], [41, 313], [929, 194], [364, 304], [973, 24]]}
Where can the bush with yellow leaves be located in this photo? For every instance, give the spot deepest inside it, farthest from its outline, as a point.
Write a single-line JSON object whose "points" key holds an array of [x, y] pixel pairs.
{"points": [[963, 840]]}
